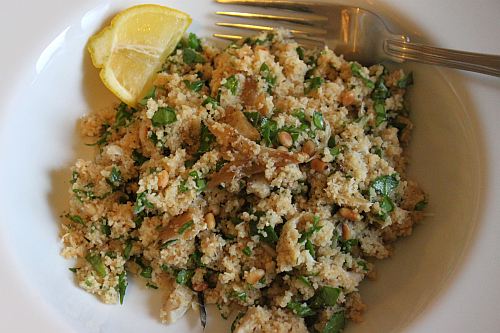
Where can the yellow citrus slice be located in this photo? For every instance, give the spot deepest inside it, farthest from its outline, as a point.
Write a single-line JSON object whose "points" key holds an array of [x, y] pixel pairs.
{"points": [[133, 47]]}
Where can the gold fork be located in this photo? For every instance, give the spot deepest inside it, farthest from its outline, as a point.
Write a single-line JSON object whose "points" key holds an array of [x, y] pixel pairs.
{"points": [[356, 33]]}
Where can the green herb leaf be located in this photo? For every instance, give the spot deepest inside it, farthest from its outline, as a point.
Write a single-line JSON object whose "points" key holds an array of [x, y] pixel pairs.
{"points": [[190, 56], [325, 296], [95, 261], [313, 84], [300, 52], [75, 218], [151, 285], [164, 116], [347, 245], [247, 251], [271, 236], [335, 324], [335, 151], [309, 232], [406, 81], [300, 115], [127, 249], [74, 177], [380, 115], [73, 269], [105, 228], [254, 118], [194, 42], [184, 276], [194, 86], [210, 100], [236, 321], [241, 295], [318, 120], [380, 92], [185, 227], [146, 272], [385, 185], [310, 247], [167, 244], [266, 74], [183, 186], [356, 71], [232, 84], [304, 280], [421, 205], [150, 94], [142, 203], [138, 158], [115, 178], [300, 309], [123, 115], [386, 205], [122, 285], [269, 131], [206, 139]]}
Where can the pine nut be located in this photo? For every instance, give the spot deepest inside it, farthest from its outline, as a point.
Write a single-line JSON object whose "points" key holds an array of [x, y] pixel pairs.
{"points": [[210, 221], [285, 139], [309, 148]]}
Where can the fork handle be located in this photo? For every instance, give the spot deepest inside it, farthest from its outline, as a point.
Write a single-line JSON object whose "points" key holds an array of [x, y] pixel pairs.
{"points": [[469, 61]]}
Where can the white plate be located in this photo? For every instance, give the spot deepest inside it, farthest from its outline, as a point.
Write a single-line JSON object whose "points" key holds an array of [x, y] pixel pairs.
{"points": [[443, 279]]}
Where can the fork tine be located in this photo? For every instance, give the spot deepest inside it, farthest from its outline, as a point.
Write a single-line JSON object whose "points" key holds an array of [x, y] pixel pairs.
{"points": [[301, 40], [309, 19], [303, 31], [285, 4]]}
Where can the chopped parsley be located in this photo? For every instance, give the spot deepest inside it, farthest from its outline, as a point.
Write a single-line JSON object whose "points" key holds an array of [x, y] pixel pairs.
{"points": [[356, 71], [421, 205], [247, 251], [266, 74], [115, 178], [385, 185], [380, 114], [75, 218], [335, 324], [167, 244], [300, 309], [142, 203], [146, 272], [313, 84], [194, 86], [190, 56], [206, 139], [318, 120], [184, 276], [210, 100], [122, 285], [232, 84], [406, 81], [95, 261], [150, 94], [193, 42], [300, 52], [309, 232], [138, 158], [164, 116], [185, 227], [325, 296], [200, 182], [123, 115]]}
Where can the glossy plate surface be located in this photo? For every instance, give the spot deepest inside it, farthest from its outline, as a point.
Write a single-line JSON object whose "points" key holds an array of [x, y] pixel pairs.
{"points": [[442, 279]]}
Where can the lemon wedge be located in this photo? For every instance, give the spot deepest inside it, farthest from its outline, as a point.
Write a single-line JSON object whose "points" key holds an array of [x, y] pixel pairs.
{"points": [[133, 47]]}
